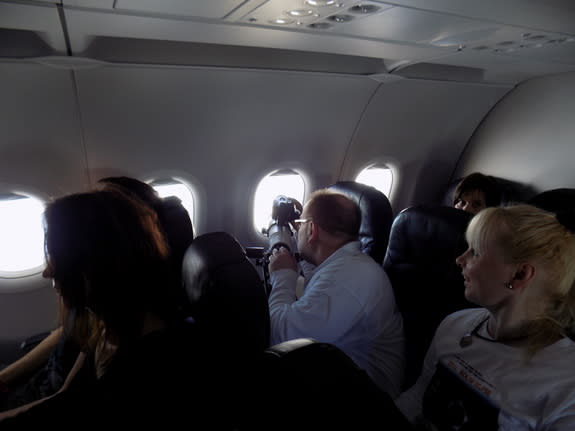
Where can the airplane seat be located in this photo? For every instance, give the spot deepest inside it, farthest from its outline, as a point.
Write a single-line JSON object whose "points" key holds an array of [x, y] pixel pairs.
{"points": [[177, 226], [226, 297], [308, 385], [376, 216], [424, 242], [228, 306], [179, 233], [555, 200]]}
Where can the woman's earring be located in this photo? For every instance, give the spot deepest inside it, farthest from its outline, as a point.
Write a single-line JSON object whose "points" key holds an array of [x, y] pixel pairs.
{"points": [[509, 286]]}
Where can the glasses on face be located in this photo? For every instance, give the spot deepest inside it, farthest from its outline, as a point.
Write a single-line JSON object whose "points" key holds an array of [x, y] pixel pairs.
{"points": [[299, 222]]}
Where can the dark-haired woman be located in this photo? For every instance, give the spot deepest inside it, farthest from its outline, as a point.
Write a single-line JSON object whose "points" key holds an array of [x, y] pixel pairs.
{"points": [[475, 192], [109, 262], [43, 370]]}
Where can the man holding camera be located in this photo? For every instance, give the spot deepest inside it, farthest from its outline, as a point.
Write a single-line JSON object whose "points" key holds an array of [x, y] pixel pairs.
{"points": [[347, 300]]}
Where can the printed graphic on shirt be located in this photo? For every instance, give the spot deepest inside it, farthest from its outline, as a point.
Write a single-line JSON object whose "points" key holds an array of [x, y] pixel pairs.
{"points": [[458, 399]]}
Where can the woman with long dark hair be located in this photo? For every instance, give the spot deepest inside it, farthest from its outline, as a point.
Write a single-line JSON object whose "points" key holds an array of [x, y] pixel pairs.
{"points": [[109, 262]]}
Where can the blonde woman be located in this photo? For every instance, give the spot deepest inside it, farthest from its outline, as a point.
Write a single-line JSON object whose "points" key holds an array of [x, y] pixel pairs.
{"points": [[508, 365]]}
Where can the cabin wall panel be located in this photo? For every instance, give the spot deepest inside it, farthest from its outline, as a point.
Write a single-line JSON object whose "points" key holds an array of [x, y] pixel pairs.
{"points": [[41, 154], [25, 313], [419, 128], [529, 137], [40, 129], [226, 128]]}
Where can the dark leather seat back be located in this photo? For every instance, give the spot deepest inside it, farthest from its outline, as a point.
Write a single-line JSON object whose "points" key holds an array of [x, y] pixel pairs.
{"points": [[306, 385], [420, 262], [376, 216], [555, 200], [177, 226], [179, 232], [226, 295]]}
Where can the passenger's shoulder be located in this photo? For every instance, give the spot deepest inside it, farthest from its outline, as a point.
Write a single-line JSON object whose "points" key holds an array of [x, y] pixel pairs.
{"points": [[468, 317]]}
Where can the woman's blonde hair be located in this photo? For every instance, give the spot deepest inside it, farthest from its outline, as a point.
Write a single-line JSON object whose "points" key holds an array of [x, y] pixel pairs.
{"points": [[528, 234]]}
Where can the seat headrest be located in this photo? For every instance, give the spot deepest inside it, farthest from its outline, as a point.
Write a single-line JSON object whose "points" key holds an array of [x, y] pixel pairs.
{"points": [[424, 242], [555, 200], [318, 361], [307, 373], [177, 227], [376, 216], [226, 295], [427, 234]]}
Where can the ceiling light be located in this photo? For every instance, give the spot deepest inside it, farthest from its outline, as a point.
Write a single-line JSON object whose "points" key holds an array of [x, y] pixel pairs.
{"points": [[281, 21], [320, 3], [300, 12]]}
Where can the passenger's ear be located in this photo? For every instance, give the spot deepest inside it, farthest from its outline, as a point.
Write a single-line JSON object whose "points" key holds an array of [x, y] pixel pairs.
{"points": [[314, 231], [523, 275]]}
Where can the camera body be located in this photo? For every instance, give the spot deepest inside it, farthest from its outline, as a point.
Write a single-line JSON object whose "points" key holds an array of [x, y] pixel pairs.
{"points": [[279, 232], [284, 211]]}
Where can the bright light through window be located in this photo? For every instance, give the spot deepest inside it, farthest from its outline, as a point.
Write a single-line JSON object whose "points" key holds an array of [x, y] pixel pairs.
{"points": [[287, 183], [21, 236], [377, 177], [180, 191]]}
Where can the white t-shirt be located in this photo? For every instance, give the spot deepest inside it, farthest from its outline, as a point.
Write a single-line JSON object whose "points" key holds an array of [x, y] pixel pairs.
{"points": [[490, 384], [347, 301]]}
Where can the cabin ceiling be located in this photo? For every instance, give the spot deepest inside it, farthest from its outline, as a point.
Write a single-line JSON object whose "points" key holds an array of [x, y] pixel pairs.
{"points": [[489, 40]]}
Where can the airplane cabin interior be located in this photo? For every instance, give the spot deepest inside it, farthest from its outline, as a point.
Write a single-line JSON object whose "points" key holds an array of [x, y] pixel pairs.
{"points": [[214, 97]]}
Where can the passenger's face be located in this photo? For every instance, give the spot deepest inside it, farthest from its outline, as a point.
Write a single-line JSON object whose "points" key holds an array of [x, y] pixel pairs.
{"points": [[486, 275], [49, 273], [471, 201]]}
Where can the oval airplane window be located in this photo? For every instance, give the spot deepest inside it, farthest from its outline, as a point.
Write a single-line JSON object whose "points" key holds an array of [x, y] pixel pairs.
{"points": [[379, 177], [179, 190], [283, 182], [21, 235]]}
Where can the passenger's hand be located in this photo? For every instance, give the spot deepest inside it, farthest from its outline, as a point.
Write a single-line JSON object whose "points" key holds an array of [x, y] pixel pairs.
{"points": [[282, 259], [298, 205], [299, 208]]}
